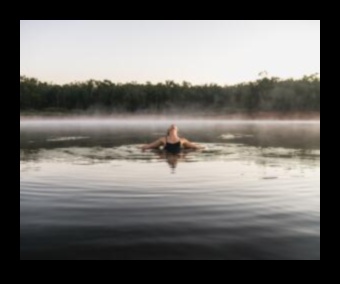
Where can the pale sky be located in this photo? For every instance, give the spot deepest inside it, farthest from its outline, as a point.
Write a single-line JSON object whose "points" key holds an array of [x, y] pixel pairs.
{"points": [[200, 52]]}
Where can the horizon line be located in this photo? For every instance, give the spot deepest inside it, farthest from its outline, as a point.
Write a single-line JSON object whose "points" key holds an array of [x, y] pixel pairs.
{"points": [[266, 76]]}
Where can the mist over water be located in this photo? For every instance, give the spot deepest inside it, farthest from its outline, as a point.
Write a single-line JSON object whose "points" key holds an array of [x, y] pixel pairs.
{"points": [[88, 192]]}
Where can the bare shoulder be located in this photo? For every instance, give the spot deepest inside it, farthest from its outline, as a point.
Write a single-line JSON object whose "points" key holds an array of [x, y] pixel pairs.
{"points": [[162, 139], [184, 140]]}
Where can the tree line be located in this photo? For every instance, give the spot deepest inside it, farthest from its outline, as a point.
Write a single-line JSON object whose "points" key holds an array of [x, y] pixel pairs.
{"points": [[265, 94]]}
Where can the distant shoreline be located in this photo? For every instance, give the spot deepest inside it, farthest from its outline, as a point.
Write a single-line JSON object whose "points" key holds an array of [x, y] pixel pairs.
{"points": [[235, 116]]}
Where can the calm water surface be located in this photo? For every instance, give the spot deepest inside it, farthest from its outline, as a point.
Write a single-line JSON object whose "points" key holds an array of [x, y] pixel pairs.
{"points": [[88, 192]]}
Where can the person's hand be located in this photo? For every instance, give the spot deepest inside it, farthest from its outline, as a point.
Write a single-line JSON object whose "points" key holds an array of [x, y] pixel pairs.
{"points": [[142, 148], [197, 147]]}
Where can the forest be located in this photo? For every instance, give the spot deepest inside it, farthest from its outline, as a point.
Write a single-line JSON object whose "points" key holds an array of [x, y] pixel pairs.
{"points": [[267, 94]]}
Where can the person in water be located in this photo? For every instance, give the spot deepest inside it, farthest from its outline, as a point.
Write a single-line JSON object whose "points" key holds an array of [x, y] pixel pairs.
{"points": [[172, 142]]}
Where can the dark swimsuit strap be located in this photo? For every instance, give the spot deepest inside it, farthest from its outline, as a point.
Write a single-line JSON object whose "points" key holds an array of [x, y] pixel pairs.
{"points": [[166, 140]]}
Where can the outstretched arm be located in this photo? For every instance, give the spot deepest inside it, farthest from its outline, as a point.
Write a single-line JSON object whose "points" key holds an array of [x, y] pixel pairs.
{"points": [[154, 144], [190, 145]]}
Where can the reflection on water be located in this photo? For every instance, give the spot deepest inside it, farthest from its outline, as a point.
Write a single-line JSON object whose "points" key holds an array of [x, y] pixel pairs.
{"points": [[171, 158], [212, 152], [88, 192]]}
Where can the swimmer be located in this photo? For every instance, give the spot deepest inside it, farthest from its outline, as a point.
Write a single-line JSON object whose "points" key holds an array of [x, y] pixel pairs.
{"points": [[172, 142]]}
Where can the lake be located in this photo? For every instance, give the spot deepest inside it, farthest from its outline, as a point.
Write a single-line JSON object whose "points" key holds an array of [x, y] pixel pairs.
{"points": [[88, 192]]}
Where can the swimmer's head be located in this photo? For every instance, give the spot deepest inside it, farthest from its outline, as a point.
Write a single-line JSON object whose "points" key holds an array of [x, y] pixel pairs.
{"points": [[172, 129]]}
